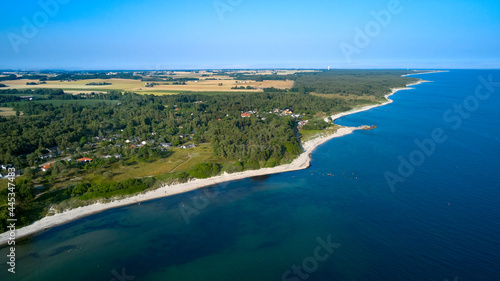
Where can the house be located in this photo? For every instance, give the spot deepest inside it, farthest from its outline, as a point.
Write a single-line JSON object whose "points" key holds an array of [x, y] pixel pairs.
{"points": [[117, 156], [246, 114], [188, 146], [143, 142], [46, 167], [5, 167], [85, 160], [302, 123], [165, 144], [133, 146], [53, 149], [27, 97]]}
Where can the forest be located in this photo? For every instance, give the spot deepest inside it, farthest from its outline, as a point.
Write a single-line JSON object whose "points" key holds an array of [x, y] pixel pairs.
{"points": [[352, 82]]}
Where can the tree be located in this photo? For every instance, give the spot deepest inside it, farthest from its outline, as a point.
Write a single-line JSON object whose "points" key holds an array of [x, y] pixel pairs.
{"points": [[26, 190]]}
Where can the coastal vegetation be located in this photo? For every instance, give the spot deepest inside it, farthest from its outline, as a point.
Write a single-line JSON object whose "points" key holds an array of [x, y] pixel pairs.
{"points": [[361, 83]]}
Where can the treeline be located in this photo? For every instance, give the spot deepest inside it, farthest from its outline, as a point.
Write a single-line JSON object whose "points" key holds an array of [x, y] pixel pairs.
{"points": [[25, 76], [352, 82], [98, 84], [96, 75], [168, 78], [14, 95], [260, 78], [9, 96]]}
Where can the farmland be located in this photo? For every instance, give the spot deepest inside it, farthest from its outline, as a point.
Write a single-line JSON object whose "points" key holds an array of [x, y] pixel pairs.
{"points": [[7, 111], [168, 83]]}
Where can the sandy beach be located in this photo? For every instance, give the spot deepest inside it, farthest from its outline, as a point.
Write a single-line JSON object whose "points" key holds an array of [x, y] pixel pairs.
{"points": [[301, 162], [368, 107]]}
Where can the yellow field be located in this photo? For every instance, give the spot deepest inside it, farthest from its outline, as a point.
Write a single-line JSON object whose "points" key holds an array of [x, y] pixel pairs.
{"points": [[213, 85], [7, 111], [79, 86], [117, 84]]}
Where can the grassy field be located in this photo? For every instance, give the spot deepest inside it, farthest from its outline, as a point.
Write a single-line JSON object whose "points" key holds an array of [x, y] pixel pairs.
{"points": [[180, 160], [306, 135], [7, 111]]}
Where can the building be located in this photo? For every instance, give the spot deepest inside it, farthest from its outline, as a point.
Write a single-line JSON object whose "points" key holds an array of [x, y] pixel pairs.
{"points": [[246, 114], [46, 167], [85, 160], [5, 167], [165, 144]]}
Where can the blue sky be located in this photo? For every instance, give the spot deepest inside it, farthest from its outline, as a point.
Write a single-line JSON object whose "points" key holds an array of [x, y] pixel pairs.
{"points": [[193, 34]]}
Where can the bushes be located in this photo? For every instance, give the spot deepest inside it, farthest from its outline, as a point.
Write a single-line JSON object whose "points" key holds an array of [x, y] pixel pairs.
{"points": [[272, 162], [234, 167], [204, 170], [86, 191], [252, 165]]}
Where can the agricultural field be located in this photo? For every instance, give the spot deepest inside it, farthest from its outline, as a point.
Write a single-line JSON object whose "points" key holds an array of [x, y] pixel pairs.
{"points": [[79, 86], [227, 85], [7, 111]]}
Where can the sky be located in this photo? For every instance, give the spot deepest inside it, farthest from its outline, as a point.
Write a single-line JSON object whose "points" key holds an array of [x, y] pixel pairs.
{"points": [[211, 34]]}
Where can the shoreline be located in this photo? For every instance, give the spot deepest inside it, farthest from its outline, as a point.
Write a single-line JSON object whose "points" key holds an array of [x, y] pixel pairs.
{"points": [[368, 107], [303, 161], [429, 72]]}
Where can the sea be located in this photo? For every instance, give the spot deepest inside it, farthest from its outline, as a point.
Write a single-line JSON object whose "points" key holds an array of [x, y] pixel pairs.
{"points": [[417, 198]]}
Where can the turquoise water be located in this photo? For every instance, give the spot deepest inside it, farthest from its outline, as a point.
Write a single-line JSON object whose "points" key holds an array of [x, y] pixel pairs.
{"points": [[337, 220]]}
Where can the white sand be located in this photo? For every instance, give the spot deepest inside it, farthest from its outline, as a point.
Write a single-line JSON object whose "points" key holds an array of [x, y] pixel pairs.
{"points": [[301, 162]]}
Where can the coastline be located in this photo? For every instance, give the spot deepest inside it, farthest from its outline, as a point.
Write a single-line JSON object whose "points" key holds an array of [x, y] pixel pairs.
{"points": [[368, 107], [301, 162]]}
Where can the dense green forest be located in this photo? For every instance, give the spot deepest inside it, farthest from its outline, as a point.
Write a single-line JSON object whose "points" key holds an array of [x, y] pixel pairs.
{"points": [[353, 82], [56, 124]]}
